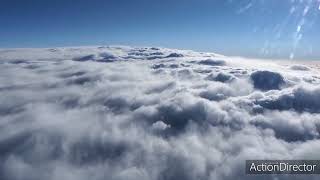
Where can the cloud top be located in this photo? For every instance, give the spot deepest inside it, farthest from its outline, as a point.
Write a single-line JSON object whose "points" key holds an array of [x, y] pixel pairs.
{"points": [[151, 113]]}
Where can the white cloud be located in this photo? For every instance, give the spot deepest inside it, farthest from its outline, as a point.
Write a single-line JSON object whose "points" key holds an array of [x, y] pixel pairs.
{"points": [[150, 113]]}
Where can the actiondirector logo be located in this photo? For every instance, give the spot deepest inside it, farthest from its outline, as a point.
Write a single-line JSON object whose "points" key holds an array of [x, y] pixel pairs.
{"points": [[283, 166]]}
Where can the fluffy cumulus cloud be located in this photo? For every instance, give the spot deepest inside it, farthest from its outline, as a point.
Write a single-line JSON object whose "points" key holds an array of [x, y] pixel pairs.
{"points": [[123, 113]]}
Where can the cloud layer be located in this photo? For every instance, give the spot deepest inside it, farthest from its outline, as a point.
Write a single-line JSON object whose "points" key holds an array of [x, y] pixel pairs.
{"points": [[151, 113]]}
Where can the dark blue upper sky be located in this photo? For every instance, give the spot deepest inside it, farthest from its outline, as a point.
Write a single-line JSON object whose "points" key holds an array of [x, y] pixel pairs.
{"points": [[253, 28]]}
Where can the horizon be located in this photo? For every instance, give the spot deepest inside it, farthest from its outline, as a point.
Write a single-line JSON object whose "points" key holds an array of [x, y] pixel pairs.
{"points": [[132, 46]]}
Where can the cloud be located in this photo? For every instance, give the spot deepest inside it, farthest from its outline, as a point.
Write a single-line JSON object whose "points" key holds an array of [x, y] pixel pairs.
{"points": [[145, 115], [298, 67], [212, 62], [267, 80], [174, 55], [300, 99], [84, 58], [221, 77], [217, 92], [290, 126], [159, 126]]}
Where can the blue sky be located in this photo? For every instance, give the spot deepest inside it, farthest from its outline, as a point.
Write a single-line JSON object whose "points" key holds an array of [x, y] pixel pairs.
{"points": [[252, 28]]}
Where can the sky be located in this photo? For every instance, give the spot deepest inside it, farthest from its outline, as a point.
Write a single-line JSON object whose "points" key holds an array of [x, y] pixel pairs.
{"points": [[250, 28]]}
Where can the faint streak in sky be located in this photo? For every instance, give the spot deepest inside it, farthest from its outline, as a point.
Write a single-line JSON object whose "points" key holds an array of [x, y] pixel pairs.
{"points": [[302, 13], [244, 9]]}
